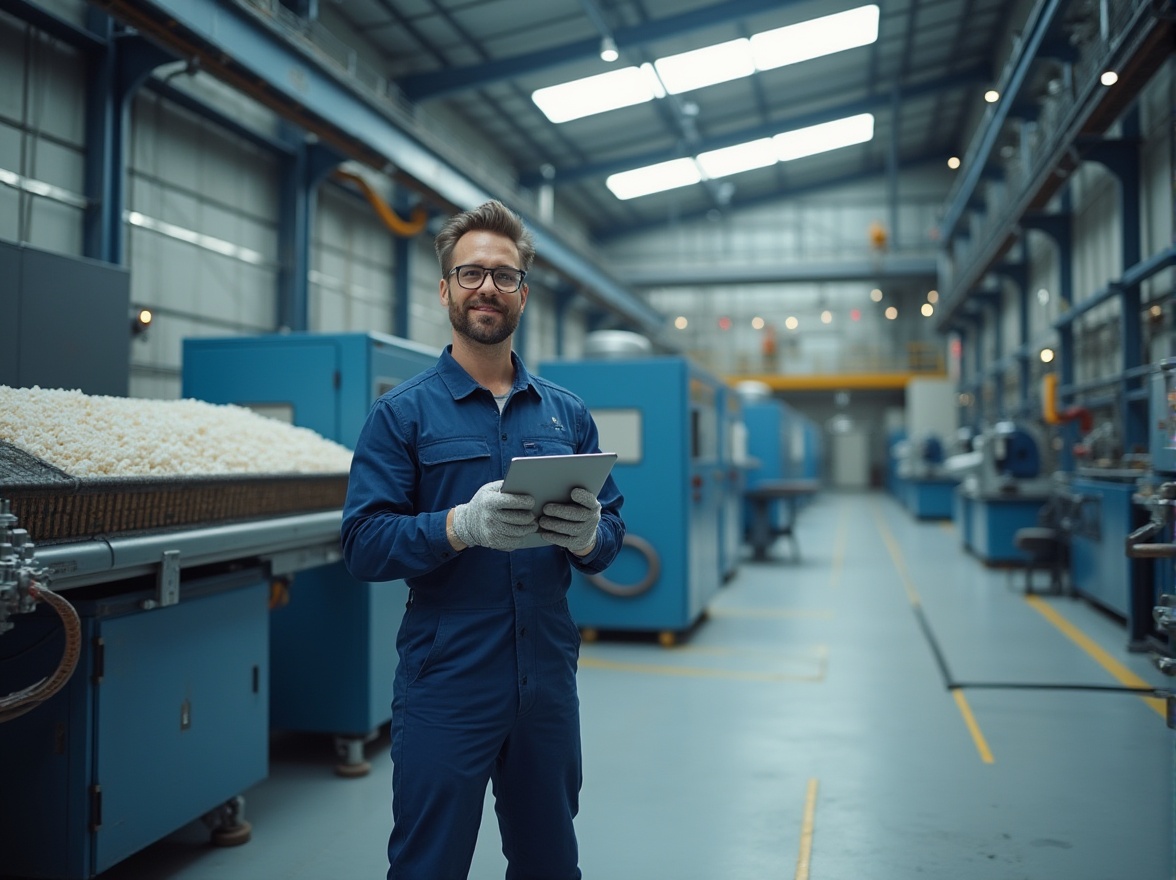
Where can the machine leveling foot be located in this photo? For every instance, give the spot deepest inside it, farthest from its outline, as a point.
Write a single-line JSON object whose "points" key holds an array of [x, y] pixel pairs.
{"points": [[227, 823], [352, 763]]}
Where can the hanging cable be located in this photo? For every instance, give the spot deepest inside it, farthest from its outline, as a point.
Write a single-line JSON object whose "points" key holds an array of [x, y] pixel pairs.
{"points": [[22, 701], [403, 228]]}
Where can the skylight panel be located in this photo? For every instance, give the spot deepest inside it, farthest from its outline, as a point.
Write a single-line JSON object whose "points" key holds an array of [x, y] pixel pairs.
{"points": [[654, 178], [741, 157], [761, 153], [824, 137], [814, 38], [597, 94], [707, 66]]}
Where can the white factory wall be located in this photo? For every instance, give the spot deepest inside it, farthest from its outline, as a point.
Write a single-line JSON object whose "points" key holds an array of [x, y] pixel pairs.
{"points": [[201, 236], [42, 140]]}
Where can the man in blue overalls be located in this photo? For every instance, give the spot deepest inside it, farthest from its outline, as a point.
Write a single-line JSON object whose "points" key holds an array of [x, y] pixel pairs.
{"points": [[485, 688]]}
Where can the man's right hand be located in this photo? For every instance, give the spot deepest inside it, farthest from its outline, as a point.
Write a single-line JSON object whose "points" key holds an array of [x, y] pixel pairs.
{"points": [[495, 519]]}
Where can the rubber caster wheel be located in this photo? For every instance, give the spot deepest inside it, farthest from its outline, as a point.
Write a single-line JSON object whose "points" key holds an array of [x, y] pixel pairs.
{"points": [[353, 771], [589, 635], [667, 639], [233, 835]]}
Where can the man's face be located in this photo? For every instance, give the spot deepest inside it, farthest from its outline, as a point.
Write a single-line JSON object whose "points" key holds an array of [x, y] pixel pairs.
{"points": [[486, 315]]}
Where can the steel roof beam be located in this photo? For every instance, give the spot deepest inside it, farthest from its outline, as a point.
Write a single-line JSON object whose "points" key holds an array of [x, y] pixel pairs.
{"points": [[421, 86], [873, 104]]}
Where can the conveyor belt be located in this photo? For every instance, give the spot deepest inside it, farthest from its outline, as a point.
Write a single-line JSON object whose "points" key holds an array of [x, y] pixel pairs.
{"points": [[289, 543]]}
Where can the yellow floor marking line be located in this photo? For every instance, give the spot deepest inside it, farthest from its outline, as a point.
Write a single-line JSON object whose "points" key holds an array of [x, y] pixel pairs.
{"points": [[806, 831], [820, 651], [913, 597], [699, 672], [773, 613], [973, 727], [1118, 671]]}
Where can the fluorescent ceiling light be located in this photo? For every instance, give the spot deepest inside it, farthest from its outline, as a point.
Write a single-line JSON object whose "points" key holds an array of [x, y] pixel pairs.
{"points": [[814, 38], [741, 157], [824, 137], [654, 178], [707, 66], [597, 94]]}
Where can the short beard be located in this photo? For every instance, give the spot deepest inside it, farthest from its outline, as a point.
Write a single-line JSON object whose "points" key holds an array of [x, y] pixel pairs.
{"points": [[477, 332]]}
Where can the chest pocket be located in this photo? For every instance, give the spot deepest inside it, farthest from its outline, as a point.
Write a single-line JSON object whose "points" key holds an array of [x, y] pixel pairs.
{"points": [[451, 470], [452, 449], [547, 446]]}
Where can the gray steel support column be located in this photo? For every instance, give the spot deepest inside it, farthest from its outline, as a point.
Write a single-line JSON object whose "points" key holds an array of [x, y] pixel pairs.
{"points": [[301, 174], [1121, 158], [115, 73], [403, 258], [563, 296], [1018, 274]]}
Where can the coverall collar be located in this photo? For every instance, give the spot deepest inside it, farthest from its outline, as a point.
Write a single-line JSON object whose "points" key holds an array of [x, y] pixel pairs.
{"points": [[461, 384]]}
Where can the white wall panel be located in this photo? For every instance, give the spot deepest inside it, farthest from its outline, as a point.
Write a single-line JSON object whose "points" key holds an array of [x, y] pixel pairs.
{"points": [[204, 254], [352, 266]]}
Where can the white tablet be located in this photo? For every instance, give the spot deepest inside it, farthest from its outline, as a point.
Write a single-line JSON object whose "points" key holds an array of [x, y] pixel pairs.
{"points": [[550, 478]]}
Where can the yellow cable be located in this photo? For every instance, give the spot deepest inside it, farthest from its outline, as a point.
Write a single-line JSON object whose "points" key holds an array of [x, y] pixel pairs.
{"points": [[404, 228]]}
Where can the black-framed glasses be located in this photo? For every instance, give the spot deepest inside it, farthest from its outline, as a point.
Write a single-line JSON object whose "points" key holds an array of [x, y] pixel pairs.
{"points": [[506, 279]]}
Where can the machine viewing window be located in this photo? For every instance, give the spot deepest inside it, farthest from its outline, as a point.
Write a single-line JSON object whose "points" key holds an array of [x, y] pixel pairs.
{"points": [[620, 432], [281, 412]]}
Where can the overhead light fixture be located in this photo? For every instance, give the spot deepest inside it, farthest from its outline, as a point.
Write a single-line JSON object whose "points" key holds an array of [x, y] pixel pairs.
{"points": [[653, 178], [1109, 78], [812, 39], [600, 93], [953, 162], [824, 137], [992, 96], [759, 153], [708, 65]]}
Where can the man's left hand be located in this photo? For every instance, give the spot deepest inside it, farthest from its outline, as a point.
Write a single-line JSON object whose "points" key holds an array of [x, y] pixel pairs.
{"points": [[572, 526]]}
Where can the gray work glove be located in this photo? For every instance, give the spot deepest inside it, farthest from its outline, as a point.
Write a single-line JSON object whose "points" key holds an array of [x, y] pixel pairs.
{"points": [[494, 519], [571, 525]]}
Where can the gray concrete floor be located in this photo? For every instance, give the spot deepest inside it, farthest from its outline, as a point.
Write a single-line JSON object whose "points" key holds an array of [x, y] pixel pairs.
{"points": [[804, 730]]}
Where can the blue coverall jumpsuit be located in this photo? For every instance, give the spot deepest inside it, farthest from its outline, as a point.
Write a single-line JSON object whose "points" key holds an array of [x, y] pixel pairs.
{"points": [[485, 688]]}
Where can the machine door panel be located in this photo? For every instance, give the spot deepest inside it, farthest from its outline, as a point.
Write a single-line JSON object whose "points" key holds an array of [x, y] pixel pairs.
{"points": [[303, 375], [182, 715]]}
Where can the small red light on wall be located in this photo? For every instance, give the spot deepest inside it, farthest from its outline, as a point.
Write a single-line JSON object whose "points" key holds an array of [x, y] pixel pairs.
{"points": [[724, 323], [855, 314]]}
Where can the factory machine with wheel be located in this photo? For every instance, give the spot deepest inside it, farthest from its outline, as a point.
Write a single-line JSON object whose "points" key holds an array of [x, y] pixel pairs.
{"points": [[662, 416], [332, 638]]}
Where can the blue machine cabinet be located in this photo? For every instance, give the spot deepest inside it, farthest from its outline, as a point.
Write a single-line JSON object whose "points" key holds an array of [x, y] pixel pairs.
{"points": [[989, 522], [1100, 569], [930, 497], [163, 721], [333, 645], [661, 415]]}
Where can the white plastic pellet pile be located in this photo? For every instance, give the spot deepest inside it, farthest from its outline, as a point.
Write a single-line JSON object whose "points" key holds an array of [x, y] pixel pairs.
{"points": [[93, 436]]}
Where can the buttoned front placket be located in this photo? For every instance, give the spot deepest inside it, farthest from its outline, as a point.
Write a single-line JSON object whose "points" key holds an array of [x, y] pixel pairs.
{"points": [[524, 608]]}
